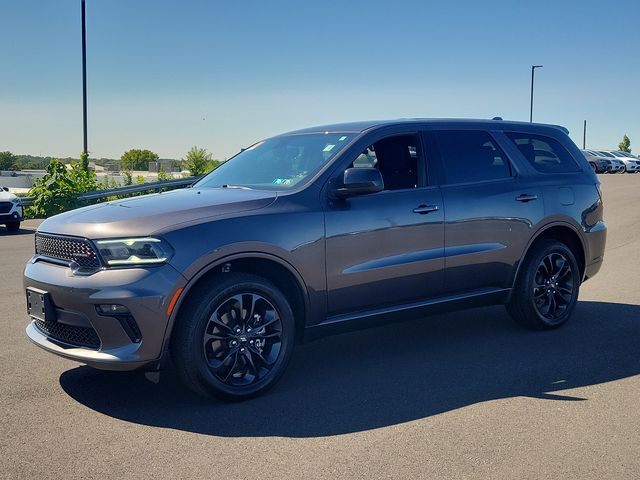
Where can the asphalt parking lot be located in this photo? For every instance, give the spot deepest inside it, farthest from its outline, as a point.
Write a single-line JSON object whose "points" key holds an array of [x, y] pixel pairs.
{"points": [[463, 395]]}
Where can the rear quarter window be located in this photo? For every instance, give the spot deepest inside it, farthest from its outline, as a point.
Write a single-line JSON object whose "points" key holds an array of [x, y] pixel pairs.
{"points": [[469, 156], [545, 154]]}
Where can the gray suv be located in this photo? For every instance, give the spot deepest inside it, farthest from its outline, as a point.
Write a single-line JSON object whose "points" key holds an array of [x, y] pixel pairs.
{"points": [[316, 231]]}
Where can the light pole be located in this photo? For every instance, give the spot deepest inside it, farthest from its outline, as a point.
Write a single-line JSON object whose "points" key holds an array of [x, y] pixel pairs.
{"points": [[84, 81], [533, 70]]}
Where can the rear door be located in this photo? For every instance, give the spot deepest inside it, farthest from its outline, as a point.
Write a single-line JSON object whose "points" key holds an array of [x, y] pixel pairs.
{"points": [[491, 209]]}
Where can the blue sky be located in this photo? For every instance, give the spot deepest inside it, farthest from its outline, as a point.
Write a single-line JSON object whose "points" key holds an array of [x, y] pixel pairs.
{"points": [[167, 75]]}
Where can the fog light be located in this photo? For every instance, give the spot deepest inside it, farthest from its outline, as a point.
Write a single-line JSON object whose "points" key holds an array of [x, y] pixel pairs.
{"points": [[112, 309]]}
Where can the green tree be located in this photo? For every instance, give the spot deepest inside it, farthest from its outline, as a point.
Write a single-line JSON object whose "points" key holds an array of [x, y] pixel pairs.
{"points": [[198, 161], [163, 176], [136, 159], [7, 161], [58, 190], [625, 145], [84, 161], [127, 177]]}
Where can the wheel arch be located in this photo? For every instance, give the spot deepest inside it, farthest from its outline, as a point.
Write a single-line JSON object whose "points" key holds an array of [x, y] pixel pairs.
{"points": [[273, 268], [563, 232]]}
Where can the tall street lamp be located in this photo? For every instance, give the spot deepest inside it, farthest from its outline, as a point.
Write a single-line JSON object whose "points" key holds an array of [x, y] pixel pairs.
{"points": [[533, 69], [84, 80]]}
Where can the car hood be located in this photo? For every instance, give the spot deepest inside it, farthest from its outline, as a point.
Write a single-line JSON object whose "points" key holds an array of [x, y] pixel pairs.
{"points": [[159, 212], [6, 196]]}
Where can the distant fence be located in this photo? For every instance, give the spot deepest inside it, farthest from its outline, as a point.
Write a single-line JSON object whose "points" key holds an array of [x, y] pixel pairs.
{"points": [[129, 189]]}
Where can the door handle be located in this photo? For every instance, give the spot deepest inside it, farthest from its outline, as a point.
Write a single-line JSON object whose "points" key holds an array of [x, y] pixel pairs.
{"points": [[526, 198], [424, 209]]}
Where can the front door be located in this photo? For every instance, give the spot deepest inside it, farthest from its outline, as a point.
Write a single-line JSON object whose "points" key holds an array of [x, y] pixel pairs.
{"points": [[386, 248]]}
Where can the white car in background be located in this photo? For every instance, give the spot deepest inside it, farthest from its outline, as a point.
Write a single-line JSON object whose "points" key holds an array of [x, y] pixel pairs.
{"points": [[11, 211], [631, 165], [616, 166]]}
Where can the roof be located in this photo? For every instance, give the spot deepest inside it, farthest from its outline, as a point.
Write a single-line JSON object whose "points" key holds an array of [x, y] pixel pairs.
{"points": [[359, 127]]}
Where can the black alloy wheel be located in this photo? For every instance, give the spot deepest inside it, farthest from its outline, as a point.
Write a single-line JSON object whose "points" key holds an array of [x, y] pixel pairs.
{"points": [[243, 339], [547, 287], [553, 286], [234, 336]]}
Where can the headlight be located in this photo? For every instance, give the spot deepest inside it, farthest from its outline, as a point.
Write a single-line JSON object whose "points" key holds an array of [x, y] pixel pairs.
{"points": [[16, 201], [134, 251]]}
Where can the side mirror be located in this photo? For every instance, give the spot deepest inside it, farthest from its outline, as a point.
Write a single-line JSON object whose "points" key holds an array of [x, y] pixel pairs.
{"points": [[359, 181]]}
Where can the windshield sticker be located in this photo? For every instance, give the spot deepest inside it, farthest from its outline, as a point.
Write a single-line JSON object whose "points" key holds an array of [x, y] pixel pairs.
{"points": [[282, 181], [328, 148], [342, 138]]}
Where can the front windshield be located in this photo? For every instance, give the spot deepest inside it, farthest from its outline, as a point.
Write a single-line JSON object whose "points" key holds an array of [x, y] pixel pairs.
{"points": [[606, 154], [278, 163]]}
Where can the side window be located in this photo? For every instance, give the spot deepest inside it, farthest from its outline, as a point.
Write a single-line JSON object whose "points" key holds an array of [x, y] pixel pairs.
{"points": [[470, 156], [545, 154], [397, 158]]}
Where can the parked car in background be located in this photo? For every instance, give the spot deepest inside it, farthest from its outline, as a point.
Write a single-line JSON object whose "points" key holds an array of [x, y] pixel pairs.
{"points": [[11, 211], [597, 163], [316, 231], [615, 160], [619, 154], [616, 165], [631, 163]]}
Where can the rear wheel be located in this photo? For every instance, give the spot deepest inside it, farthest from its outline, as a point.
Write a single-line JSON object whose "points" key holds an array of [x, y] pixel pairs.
{"points": [[547, 287], [234, 339], [13, 226]]}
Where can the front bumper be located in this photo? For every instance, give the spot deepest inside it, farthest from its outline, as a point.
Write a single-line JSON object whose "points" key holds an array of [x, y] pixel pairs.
{"points": [[145, 292], [15, 215]]}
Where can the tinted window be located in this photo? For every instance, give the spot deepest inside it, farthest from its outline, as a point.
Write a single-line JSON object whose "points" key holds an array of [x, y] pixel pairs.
{"points": [[397, 159], [544, 153], [470, 156]]}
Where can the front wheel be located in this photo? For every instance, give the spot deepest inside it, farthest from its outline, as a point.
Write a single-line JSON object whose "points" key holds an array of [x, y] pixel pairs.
{"points": [[547, 287], [12, 226], [234, 338]]}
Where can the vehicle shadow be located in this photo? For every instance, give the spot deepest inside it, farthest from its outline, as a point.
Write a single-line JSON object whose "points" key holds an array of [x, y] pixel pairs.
{"points": [[21, 231], [389, 375]]}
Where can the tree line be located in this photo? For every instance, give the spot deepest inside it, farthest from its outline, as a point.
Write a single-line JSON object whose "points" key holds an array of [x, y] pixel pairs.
{"points": [[62, 184], [197, 161]]}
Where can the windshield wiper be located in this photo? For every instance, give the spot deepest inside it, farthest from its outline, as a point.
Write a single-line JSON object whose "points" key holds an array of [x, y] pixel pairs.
{"points": [[235, 186]]}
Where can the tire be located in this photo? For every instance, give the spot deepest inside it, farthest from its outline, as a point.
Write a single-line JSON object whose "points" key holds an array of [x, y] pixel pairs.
{"points": [[546, 292], [234, 339], [12, 226]]}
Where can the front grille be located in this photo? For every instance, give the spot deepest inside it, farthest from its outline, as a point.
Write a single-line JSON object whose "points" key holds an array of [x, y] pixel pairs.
{"points": [[80, 336], [5, 207], [71, 249]]}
